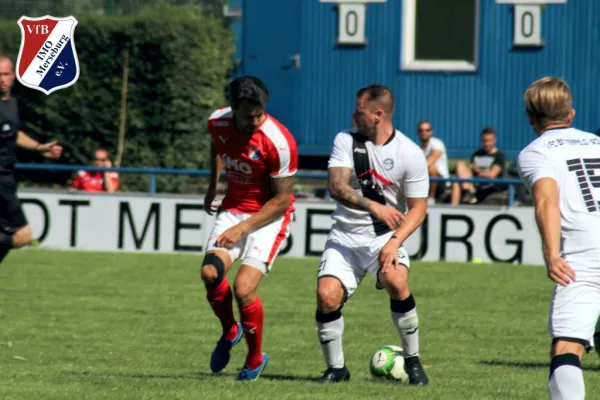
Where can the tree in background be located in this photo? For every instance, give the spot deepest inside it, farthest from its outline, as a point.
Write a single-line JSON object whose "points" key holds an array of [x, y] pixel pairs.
{"points": [[179, 61], [14, 9]]}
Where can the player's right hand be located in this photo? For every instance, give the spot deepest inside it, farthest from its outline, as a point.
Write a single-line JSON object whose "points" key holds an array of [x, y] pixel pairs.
{"points": [[388, 215], [209, 205], [559, 271]]}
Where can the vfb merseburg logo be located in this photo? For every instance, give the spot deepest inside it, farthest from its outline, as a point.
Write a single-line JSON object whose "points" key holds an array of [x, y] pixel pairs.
{"points": [[47, 58]]}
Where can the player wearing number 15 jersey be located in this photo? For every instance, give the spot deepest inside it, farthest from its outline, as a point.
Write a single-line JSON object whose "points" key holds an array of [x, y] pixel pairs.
{"points": [[562, 170], [260, 160]]}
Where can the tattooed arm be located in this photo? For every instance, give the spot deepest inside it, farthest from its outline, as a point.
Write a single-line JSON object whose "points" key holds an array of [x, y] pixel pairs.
{"points": [[340, 189]]}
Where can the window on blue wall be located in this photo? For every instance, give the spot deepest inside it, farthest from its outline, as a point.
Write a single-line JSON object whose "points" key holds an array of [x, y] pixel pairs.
{"points": [[440, 35]]}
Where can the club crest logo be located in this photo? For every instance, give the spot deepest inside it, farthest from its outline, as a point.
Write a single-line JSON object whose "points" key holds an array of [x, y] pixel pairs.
{"points": [[254, 153], [388, 164], [47, 57]]}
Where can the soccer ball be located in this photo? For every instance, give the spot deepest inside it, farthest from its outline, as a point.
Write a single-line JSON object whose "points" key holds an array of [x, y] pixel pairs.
{"points": [[388, 362]]}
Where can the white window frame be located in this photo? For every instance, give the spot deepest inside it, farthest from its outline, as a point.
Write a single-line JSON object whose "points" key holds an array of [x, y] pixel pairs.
{"points": [[408, 61]]}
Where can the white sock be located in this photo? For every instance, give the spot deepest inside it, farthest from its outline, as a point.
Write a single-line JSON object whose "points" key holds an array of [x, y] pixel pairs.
{"points": [[330, 328], [566, 378], [406, 321]]}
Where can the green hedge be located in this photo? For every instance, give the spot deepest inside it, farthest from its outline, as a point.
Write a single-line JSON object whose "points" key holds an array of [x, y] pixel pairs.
{"points": [[180, 58]]}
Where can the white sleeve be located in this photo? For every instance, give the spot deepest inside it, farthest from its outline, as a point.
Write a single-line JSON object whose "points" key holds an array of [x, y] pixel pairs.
{"points": [[416, 176], [438, 145], [533, 165], [341, 154]]}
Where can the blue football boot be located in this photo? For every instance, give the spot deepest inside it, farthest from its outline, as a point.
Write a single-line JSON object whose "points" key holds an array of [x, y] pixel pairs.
{"points": [[220, 355], [252, 374]]}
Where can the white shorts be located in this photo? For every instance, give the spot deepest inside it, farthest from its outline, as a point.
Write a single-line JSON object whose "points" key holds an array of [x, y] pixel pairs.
{"points": [[349, 257], [575, 310], [257, 249]]}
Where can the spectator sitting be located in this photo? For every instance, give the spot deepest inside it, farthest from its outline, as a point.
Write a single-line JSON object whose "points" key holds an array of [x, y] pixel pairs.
{"points": [[487, 162], [437, 161], [107, 181]]}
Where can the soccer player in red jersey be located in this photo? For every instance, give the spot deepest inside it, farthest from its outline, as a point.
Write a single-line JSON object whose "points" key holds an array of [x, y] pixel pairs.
{"points": [[260, 159]]}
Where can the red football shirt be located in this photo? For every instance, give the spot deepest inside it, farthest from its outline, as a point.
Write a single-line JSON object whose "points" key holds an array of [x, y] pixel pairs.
{"points": [[94, 181], [250, 161]]}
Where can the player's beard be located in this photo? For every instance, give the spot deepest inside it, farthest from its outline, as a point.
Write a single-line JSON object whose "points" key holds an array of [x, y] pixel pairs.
{"points": [[368, 131]]}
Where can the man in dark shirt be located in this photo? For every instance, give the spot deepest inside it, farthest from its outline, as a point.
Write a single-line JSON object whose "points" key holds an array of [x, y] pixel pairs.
{"points": [[14, 229], [487, 162]]}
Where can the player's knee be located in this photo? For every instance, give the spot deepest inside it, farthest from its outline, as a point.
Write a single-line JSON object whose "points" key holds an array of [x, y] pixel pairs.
{"points": [[330, 295], [433, 170], [209, 274], [213, 269], [22, 237], [396, 284]]}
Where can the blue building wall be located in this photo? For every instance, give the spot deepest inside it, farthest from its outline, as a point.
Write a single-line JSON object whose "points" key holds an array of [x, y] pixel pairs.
{"points": [[234, 6], [317, 100]]}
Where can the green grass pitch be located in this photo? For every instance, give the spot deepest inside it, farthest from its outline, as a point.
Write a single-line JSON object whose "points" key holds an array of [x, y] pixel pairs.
{"points": [[77, 325]]}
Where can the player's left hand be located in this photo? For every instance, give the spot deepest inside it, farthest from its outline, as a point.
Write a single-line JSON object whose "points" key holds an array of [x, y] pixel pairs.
{"points": [[50, 150], [230, 237], [388, 257]]}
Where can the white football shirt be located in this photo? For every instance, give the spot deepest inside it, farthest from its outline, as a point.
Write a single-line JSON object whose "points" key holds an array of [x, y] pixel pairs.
{"points": [[441, 163], [398, 170], [572, 158]]}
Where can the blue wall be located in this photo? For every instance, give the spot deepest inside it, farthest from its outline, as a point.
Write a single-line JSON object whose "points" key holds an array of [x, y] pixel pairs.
{"points": [[317, 100]]}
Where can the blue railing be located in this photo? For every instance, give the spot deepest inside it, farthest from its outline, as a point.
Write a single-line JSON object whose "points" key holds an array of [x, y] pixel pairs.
{"points": [[203, 172]]}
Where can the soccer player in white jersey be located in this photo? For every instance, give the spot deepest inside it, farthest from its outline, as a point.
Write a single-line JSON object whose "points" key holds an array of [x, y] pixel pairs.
{"points": [[562, 170], [375, 174]]}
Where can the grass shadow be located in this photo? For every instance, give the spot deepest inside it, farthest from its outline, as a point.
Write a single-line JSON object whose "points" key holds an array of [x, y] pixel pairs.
{"points": [[527, 364], [193, 375]]}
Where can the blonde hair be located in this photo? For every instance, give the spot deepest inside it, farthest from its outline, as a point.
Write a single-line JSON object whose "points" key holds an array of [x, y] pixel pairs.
{"points": [[548, 100]]}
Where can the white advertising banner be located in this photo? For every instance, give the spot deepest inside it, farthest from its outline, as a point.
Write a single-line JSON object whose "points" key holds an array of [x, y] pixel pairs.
{"points": [[170, 223]]}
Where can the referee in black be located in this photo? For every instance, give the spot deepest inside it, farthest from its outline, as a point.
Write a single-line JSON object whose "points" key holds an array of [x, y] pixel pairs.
{"points": [[14, 230]]}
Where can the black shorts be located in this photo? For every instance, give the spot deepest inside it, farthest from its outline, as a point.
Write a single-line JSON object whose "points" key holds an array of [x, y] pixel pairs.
{"points": [[483, 191], [12, 217]]}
